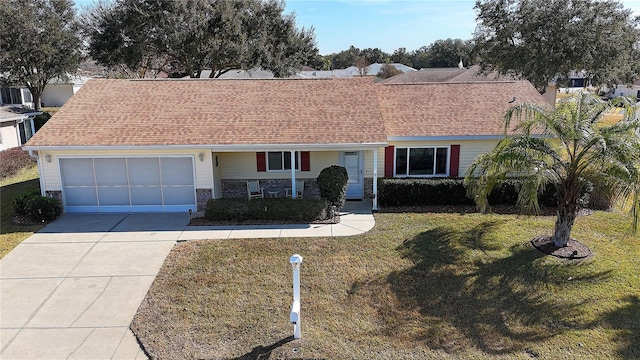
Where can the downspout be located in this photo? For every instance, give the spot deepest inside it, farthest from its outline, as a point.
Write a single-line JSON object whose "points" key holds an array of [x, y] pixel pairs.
{"points": [[293, 175], [40, 177], [375, 179]]}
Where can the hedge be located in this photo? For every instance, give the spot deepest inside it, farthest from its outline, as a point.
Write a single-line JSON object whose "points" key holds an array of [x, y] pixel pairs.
{"points": [[448, 191], [283, 209]]}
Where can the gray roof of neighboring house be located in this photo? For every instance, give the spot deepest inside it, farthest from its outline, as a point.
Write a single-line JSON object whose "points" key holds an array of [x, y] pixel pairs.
{"points": [[449, 75], [9, 113], [240, 74], [324, 74], [374, 69]]}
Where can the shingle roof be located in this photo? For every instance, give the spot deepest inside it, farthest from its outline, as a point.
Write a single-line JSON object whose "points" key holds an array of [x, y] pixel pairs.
{"points": [[451, 109], [276, 112], [431, 75], [10, 112], [224, 112]]}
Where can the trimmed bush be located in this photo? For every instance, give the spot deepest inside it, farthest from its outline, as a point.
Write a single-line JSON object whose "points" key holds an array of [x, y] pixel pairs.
{"points": [[283, 209], [21, 200], [447, 191], [412, 192], [332, 182], [43, 208], [13, 160]]}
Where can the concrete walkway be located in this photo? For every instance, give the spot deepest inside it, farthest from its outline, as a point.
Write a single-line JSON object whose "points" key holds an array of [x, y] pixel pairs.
{"points": [[71, 290]]}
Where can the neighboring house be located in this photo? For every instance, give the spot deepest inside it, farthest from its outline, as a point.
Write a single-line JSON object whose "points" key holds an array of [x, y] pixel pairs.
{"points": [[450, 75], [459, 75], [625, 90], [16, 126], [374, 69], [184, 142], [17, 96], [55, 93], [58, 91]]}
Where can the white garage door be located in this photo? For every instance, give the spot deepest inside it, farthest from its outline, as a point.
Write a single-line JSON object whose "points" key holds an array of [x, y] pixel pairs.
{"points": [[128, 184]]}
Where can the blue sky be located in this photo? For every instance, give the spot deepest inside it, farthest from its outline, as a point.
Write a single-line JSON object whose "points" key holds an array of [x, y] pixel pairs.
{"points": [[386, 24]]}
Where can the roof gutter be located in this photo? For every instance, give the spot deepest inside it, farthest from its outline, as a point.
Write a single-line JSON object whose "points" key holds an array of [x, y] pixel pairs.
{"points": [[218, 147]]}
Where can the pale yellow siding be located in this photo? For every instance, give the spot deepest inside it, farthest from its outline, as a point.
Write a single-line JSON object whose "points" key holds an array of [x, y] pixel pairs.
{"points": [[51, 172], [469, 150], [243, 165]]}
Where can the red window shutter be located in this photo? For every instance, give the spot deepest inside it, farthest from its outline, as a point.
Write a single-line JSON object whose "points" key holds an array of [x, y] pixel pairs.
{"points": [[454, 161], [261, 161], [305, 159], [389, 160]]}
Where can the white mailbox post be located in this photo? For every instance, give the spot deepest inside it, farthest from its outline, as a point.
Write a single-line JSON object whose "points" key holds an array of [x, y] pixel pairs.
{"points": [[294, 316]]}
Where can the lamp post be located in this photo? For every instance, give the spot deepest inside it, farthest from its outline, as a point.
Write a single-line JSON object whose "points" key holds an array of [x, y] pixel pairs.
{"points": [[294, 316]]}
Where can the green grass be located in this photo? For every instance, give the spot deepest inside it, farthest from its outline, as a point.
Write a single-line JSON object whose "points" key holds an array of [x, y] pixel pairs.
{"points": [[418, 286], [11, 234]]}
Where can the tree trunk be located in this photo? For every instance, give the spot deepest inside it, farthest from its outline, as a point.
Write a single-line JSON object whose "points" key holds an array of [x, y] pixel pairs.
{"points": [[566, 215]]}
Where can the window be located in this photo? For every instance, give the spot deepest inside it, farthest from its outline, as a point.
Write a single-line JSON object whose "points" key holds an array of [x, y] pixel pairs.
{"points": [[11, 96], [281, 160], [427, 161]]}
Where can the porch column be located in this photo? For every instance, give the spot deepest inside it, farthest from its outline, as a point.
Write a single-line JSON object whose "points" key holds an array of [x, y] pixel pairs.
{"points": [[294, 194], [375, 179]]}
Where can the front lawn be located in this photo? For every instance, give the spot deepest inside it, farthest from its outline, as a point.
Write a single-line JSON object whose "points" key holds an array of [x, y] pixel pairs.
{"points": [[11, 234], [417, 286]]}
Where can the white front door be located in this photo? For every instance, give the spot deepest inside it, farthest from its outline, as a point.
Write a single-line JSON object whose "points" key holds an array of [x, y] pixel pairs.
{"points": [[352, 161]]}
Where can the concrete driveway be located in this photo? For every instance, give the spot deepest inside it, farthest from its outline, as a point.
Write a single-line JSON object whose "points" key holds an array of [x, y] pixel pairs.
{"points": [[71, 290]]}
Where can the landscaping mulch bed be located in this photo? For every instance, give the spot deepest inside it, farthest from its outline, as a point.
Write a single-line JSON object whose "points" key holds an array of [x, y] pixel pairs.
{"points": [[573, 250]]}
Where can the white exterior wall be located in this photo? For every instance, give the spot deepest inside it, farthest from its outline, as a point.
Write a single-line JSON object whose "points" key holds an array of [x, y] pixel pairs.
{"points": [[50, 170], [55, 95], [9, 135], [216, 162]]}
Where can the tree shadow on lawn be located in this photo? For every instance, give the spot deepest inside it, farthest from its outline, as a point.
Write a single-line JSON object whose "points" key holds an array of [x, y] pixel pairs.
{"points": [[460, 295], [627, 320]]}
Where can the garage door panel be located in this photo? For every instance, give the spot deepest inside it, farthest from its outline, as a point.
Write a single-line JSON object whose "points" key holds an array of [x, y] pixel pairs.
{"points": [[144, 171], [77, 172], [111, 172], [178, 195], [146, 195], [113, 196], [81, 196], [181, 172]]}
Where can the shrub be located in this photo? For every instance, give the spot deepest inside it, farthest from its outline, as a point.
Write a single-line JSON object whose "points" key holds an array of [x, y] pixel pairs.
{"points": [[43, 208], [41, 119], [14, 160], [21, 200], [411, 192], [332, 182], [282, 209], [447, 191]]}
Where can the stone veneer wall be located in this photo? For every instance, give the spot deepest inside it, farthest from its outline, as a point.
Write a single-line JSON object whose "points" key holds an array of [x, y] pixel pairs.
{"points": [[202, 196], [238, 188], [368, 188], [56, 194]]}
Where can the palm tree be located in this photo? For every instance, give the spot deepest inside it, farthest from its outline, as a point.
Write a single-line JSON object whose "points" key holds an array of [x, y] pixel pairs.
{"points": [[570, 148]]}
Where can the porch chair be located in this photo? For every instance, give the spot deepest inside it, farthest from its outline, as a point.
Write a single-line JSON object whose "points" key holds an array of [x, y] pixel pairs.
{"points": [[254, 191], [299, 189]]}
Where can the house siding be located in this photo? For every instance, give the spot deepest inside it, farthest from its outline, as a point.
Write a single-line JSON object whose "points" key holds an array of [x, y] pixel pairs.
{"points": [[242, 166], [469, 150], [8, 135]]}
